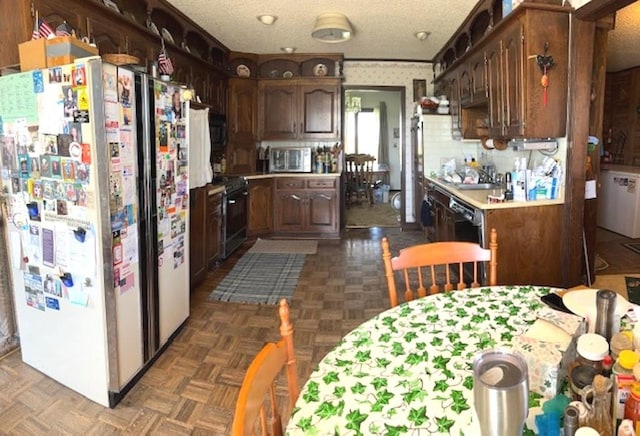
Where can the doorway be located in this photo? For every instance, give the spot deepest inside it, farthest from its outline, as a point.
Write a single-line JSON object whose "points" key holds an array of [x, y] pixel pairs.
{"points": [[374, 123]]}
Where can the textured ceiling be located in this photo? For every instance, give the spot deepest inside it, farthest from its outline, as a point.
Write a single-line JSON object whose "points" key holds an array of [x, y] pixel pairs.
{"points": [[624, 41], [383, 29]]}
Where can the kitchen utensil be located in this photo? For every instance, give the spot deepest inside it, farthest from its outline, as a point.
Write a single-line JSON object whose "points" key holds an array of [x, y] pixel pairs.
{"points": [[500, 392]]}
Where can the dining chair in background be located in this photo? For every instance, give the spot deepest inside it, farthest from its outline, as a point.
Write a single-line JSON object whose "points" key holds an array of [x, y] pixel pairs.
{"points": [[359, 178], [257, 405], [431, 265]]}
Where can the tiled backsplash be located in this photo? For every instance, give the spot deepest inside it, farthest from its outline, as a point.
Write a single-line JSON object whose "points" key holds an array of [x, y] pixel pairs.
{"points": [[440, 146]]}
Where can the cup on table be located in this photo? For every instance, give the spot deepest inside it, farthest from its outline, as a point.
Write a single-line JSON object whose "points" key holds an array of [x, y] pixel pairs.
{"points": [[500, 392]]}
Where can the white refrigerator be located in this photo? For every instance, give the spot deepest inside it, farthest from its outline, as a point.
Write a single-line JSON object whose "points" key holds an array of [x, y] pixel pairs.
{"points": [[619, 201], [94, 176]]}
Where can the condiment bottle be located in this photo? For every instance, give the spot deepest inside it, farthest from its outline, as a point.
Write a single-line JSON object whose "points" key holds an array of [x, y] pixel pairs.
{"points": [[632, 405], [607, 365], [626, 360], [591, 350], [600, 407]]}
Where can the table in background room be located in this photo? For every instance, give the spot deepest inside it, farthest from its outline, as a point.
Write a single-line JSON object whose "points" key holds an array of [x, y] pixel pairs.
{"points": [[409, 369]]}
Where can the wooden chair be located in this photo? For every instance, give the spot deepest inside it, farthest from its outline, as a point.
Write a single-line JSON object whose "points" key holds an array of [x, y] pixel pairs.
{"points": [[359, 178], [257, 394], [434, 261]]}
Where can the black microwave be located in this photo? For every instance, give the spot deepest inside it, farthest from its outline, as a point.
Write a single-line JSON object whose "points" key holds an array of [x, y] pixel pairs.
{"points": [[218, 131]]}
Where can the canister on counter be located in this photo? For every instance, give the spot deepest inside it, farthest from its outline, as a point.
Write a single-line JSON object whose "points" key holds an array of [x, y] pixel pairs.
{"points": [[591, 350]]}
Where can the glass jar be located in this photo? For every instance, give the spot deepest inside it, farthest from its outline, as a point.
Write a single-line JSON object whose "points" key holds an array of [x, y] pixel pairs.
{"points": [[632, 405], [591, 350], [621, 341]]}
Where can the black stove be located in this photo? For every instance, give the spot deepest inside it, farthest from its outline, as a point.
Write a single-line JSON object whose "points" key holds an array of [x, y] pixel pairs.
{"points": [[231, 184], [234, 213]]}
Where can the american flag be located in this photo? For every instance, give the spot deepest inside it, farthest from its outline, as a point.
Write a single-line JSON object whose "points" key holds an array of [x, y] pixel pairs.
{"points": [[41, 29], [164, 63]]}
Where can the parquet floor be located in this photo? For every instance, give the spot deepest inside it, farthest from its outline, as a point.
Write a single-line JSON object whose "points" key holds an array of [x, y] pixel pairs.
{"points": [[192, 387]]}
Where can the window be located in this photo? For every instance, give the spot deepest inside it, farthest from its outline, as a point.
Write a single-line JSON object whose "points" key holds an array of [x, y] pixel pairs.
{"points": [[362, 132]]}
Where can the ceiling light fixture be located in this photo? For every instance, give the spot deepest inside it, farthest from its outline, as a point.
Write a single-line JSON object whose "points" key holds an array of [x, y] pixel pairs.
{"points": [[332, 27], [423, 35], [288, 49], [267, 19]]}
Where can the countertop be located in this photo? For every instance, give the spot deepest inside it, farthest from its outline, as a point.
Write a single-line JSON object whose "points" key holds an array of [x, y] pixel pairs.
{"points": [[627, 169], [219, 188], [298, 175], [479, 198]]}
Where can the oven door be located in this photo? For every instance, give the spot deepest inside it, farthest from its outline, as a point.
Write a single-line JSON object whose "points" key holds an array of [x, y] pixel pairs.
{"points": [[234, 221]]}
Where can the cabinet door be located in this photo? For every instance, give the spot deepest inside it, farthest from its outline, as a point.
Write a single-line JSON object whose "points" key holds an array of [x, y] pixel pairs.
{"points": [[213, 230], [290, 211], [454, 107], [260, 207], [320, 115], [495, 90], [513, 82], [243, 110], [197, 244], [279, 111], [241, 157], [321, 212], [465, 87], [478, 72]]}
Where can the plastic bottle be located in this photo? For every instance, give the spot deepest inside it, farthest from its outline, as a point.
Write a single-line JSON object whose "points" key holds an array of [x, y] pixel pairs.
{"points": [[223, 164], [632, 405]]}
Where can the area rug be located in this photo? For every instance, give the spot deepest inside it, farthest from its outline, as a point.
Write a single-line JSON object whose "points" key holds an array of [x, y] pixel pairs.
{"points": [[260, 278], [377, 215], [633, 246], [600, 263], [284, 246]]}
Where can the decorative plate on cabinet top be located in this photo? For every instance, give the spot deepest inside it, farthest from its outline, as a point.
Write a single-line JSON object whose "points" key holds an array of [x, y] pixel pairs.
{"points": [[167, 36], [320, 70], [151, 26], [243, 71], [185, 47], [274, 73], [287, 74]]}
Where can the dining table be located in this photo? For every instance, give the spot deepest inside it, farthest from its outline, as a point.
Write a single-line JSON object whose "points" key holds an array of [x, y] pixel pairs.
{"points": [[409, 369]]}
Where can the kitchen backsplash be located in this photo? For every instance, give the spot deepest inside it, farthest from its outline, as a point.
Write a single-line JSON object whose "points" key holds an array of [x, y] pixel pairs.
{"points": [[439, 146]]}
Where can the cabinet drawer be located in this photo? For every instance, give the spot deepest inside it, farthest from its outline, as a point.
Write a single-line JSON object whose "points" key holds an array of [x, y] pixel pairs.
{"points": [[287, 183], [321, 183]]}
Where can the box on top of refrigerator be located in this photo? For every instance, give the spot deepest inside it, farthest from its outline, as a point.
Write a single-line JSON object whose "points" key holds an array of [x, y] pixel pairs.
{"points": [[43, 53]]}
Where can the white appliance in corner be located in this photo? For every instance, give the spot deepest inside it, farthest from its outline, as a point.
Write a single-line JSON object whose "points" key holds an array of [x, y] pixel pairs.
{"points": [[93, 166], [619, 202]]}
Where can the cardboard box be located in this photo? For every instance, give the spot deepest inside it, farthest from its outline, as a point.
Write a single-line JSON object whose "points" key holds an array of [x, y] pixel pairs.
{"points": [[44, 53], [549, 347]]}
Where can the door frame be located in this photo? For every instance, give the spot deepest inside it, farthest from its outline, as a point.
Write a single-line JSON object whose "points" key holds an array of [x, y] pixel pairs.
{"points": [[405, 166]]}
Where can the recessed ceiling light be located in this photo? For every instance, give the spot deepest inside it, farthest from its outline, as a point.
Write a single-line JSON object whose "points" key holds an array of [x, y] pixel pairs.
{"points": [[422, 35], [288, 49], [267, 19]]}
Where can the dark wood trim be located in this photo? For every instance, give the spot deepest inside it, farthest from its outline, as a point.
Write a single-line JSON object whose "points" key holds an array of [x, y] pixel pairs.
{"points": [[581, 39], [599, 71], [596, 9]]}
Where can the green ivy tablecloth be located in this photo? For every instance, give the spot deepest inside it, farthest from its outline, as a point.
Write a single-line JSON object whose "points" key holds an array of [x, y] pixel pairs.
{"points": [[409, 369]]}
